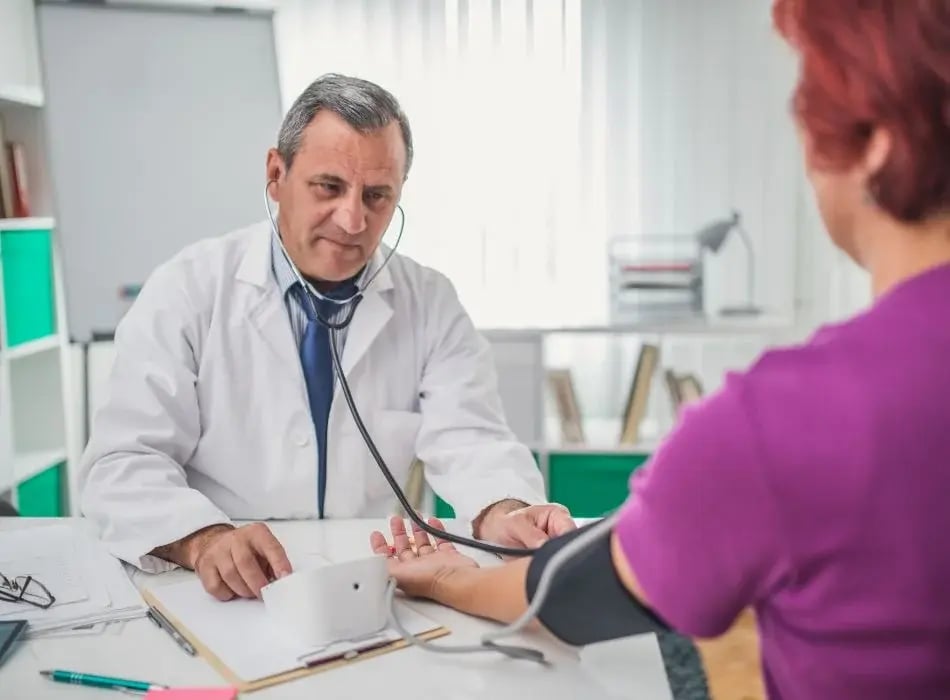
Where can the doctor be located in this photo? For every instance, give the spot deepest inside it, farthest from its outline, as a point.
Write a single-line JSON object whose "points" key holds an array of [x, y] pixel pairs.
{"points": [[222, 404]]}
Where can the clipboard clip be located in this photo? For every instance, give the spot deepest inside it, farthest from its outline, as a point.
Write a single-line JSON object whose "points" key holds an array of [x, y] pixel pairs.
{"points": [[367, 643]]}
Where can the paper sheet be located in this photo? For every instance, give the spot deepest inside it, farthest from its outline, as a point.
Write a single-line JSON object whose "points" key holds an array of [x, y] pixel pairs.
{"points": [[112, 627], [90, 586], [68, 584], [242, 636]]}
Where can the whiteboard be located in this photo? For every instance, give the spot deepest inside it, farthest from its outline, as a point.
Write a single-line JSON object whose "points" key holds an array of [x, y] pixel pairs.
{"points": [[159, 119]]}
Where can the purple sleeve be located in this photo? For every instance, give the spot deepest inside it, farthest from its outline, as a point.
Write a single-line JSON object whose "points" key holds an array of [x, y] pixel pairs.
{"points": [[700, 528]]}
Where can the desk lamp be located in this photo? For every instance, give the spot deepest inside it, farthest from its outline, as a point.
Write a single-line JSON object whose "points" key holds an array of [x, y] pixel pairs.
{"points": [[711, 237]]}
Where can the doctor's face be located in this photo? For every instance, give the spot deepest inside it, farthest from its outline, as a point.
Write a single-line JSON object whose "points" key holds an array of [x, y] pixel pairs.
{"points": [[339, 195]]}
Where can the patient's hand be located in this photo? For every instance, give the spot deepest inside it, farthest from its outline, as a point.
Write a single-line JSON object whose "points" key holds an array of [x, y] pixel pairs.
{"points": [[419, 568]]}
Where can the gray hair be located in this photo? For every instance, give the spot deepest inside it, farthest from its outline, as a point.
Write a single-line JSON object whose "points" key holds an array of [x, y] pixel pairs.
{"points": [[363, 105]]}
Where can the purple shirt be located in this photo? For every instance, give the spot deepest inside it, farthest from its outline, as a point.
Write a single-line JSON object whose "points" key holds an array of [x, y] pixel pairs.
{"points": [[816, 488]]}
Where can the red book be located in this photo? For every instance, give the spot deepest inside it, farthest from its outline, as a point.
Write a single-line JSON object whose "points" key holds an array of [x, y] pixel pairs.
{"points": [[21, 196], [6, 179]]}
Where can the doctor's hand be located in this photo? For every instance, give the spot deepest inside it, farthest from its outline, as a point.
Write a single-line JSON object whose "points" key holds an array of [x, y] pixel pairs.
{"points": [[238, 561], [515, 524], [418, 565]]}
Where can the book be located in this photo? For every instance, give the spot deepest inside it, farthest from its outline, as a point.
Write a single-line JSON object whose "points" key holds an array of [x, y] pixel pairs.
{"points": [[561, 384], [6, 178], [17, 162], [690, 389], [673, 388], [636, 406], [683, 389]]}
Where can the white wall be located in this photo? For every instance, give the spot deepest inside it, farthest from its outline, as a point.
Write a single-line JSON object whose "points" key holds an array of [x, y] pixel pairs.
{"points": [[829, 285]]}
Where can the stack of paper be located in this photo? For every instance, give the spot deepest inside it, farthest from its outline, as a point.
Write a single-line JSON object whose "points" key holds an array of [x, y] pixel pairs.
{"points": [[89, 585]]}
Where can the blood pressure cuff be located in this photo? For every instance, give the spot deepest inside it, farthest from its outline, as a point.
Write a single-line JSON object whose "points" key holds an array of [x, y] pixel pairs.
{"points": [[587, 602]]}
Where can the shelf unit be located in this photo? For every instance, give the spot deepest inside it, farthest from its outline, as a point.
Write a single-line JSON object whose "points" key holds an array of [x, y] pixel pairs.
{"points": [[591, 479], [25, 95], [34, 369], [35, 386]]}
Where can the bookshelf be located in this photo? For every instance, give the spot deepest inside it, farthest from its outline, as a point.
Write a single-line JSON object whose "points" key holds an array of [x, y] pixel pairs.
{"points": [[591, 477], [34, 368], [34, 342]]}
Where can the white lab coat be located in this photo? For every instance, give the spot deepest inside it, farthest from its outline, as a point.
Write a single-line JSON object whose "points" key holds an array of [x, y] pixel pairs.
{"points": [[206, 418]]}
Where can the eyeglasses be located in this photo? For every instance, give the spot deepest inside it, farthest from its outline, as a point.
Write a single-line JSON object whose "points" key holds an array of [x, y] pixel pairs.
{"points": [[25, 589]]}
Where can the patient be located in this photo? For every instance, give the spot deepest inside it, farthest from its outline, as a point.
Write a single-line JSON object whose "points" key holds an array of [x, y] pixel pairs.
{"points": [[812, 487]]}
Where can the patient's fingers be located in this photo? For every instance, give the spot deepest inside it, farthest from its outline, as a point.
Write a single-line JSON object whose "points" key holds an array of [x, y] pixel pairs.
{"points": [[379, 544], [400, 537], [421, 540]]}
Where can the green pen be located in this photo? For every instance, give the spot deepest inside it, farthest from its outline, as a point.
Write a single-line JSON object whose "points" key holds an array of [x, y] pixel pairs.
{"points": [[102, 681]]}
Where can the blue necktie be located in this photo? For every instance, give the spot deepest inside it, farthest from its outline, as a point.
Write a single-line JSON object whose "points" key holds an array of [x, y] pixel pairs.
{"points": [[317, 364]]}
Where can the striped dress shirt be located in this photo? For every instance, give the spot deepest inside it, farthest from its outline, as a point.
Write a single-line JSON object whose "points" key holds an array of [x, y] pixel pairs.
{"points": [[286, 282]]}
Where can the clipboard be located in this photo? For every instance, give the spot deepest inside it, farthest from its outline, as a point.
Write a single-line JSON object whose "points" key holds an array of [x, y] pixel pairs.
{"points": [[246, 686]]}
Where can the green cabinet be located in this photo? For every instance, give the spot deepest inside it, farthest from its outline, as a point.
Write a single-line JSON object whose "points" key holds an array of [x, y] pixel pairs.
{"points": [[588, 483], [443, 509], [27, 285], [42, 496], [591, 484]]}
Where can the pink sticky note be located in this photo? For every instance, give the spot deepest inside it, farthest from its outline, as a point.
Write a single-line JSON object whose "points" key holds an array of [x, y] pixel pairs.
{"points": [[192, 694]]}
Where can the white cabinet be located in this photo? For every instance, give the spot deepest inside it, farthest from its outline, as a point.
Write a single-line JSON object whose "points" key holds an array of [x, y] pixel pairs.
{"points": [[35, 387], [20, 79]]}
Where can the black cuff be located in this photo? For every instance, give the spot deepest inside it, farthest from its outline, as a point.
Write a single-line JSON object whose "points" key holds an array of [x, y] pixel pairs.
{"points": [[587, 602]]}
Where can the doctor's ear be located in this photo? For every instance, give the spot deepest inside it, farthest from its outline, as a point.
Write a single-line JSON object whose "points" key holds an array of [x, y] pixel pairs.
{"points": [[275, 169]]}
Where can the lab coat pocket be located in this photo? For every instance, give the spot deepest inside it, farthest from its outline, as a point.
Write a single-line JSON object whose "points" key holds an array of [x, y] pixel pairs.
{"points": [[395, 434]]}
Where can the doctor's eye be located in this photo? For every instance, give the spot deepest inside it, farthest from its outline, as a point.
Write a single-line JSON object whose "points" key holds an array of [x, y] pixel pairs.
{"points": [[330, 188]]}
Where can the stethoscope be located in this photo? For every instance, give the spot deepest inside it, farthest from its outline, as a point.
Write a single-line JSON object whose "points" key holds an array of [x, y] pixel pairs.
{"points": [[490, 641], [353, 300]]}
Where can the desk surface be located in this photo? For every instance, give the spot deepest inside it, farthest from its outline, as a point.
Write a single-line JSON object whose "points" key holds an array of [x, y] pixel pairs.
{"points": [[137, 649]]}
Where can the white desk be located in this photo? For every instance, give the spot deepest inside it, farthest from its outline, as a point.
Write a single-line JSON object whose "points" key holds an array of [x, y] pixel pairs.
{"points": [[631, 668]]}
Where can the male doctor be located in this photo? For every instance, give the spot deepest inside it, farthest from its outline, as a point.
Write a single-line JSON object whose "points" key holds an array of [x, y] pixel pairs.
{"points": [[222, 403]]}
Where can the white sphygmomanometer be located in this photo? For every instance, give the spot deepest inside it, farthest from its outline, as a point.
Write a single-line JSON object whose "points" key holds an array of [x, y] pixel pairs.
{"points": [[337, 602], [573, 587]]}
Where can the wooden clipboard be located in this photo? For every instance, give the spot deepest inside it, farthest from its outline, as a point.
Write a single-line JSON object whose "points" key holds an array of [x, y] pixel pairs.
{"points": [[250, 686]]}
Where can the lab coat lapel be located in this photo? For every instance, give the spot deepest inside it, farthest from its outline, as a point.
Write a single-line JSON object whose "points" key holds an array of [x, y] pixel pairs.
{"points": [[370, 318], [264, 307], [269, 319]]}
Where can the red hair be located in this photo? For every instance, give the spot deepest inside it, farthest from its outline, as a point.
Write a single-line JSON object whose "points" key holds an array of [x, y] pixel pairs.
{"points": [[877, 63]]}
